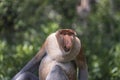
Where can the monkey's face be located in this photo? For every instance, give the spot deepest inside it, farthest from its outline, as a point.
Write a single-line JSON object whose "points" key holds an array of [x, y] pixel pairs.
{"points": [[66, 39], [63, 45]]}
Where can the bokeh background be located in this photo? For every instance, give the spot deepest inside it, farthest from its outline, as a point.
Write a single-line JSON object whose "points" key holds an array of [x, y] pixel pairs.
{"points": [[25, 24]]}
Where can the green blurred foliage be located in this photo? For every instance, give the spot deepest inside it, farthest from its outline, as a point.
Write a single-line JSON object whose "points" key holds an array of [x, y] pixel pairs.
{"points": [[25, 24]]}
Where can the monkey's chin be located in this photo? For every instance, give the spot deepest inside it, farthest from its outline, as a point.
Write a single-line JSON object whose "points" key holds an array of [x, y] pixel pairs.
{"points": [[67, 52], [67, 49]]}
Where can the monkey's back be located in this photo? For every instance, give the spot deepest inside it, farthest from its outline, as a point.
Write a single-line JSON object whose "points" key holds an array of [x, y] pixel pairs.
{"points": [[47, 64]]}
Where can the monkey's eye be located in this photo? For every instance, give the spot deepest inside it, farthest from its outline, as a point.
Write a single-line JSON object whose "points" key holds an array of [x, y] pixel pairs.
{"points": [[70, 34], [64, 33], [61, 33]]}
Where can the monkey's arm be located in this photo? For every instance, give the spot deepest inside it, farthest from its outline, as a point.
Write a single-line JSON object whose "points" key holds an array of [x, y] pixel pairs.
{"points": [[33, 64], [82, 65]]}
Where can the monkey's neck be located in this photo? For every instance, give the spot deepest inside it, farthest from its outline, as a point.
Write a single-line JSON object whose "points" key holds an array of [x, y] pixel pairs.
{"points": [[58, 54]]}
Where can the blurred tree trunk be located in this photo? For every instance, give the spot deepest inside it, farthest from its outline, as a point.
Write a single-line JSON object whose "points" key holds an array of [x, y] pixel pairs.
{"points": [[83, 10], [112, 12]]}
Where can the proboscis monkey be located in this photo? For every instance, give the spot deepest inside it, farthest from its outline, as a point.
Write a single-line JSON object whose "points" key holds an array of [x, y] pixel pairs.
{"points": [[58, 59]]}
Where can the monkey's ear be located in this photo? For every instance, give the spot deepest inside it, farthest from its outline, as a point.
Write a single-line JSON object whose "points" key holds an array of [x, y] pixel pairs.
{"points": [[81, 60]]}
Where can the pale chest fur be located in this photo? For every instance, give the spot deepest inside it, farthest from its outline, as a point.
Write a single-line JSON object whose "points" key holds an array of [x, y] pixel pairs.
{"points": [[47, 65]]}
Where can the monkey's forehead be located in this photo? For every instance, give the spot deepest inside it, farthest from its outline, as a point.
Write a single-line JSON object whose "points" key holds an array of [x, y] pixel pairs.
{"points": [[66, 31]]}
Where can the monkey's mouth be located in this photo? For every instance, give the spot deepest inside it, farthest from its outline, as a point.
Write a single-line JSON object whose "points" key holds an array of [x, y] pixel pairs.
{"points": [[66, 49]]}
